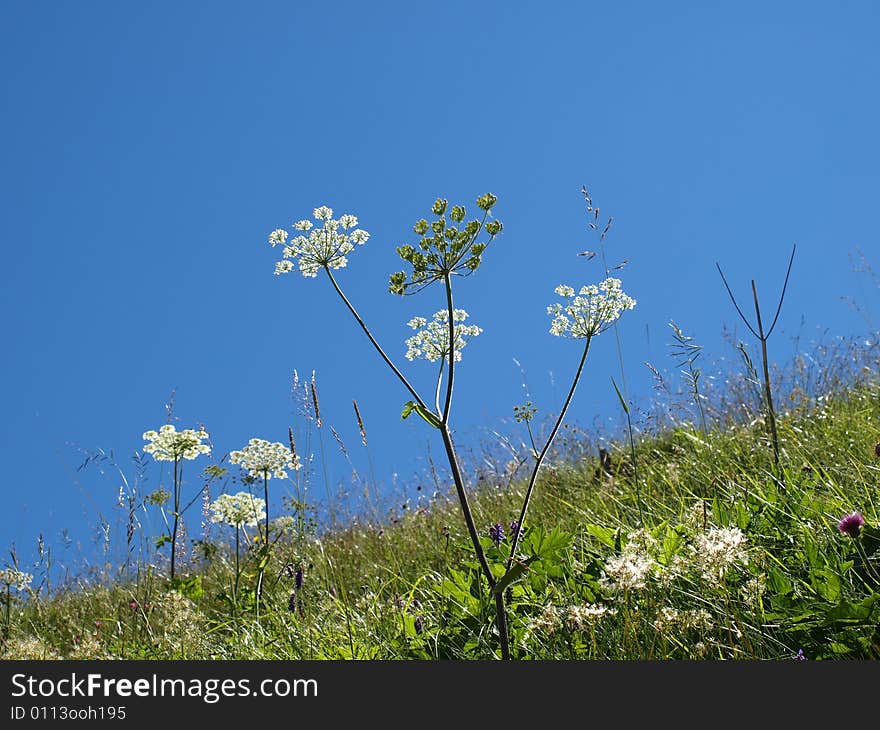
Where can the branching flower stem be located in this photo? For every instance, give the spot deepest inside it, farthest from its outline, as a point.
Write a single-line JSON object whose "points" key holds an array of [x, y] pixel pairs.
{"points": [[444, 428], [540, 459], [372, 340]]}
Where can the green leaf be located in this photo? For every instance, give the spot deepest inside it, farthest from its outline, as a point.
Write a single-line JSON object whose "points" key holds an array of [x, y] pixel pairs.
{"points": [[162, 540], [620, 396], [517, 571], [429, 417], [603, 534]]}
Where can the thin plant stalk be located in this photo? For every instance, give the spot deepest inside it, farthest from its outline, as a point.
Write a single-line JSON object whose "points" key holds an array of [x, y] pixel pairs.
{"points": [[542, 455], [768, 394], [443, 426], [176, 514], [762, 337]]}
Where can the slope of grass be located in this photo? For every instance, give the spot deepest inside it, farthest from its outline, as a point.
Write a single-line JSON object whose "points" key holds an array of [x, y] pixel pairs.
{"points": [[733, 560]]}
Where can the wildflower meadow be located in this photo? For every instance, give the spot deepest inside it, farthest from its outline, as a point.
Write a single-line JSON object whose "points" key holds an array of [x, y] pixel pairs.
{"points": [[725, 521]]}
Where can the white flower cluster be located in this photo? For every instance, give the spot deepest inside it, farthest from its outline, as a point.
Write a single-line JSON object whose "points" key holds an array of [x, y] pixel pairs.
{"points": [[669, 619], [432, 341], [242, 509], [593, 310], [15, 578], [582, 618], [628, 571], [715, 551], [170, 444], [327, 245], [283, 525], [753, 589], [631, 569], [264, 459], [547, 622]]}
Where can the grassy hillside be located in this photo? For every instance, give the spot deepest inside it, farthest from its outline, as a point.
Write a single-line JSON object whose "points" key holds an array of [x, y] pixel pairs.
{"points": [[697, 549]]}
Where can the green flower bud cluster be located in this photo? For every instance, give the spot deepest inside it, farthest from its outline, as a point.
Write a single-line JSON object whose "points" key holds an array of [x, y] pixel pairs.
{"points": [[447, 245]]}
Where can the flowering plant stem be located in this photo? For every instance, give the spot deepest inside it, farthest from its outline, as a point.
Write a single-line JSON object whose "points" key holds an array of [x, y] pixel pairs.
{"points": [[264, 550], [447, 442], [176, 520], [540, 459]]}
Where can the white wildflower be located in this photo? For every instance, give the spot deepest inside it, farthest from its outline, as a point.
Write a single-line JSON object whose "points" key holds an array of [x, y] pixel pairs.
{"points": [[628, 571], [279, 235], [326, 245], [238, 510], [28, 648], [548, 621], [263, 459], [717, 550], [669, 618], [431, 341], [169, 444], [283, 525], [753, 589], [582, 618], [15, 579], [592, 311]]}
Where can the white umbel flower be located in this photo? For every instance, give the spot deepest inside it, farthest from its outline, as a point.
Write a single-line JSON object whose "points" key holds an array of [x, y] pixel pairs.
{"points": [[593, 310], [169, 444], [15, 579], [263, 459], [239, 510], [431, 341], [327, 244]]}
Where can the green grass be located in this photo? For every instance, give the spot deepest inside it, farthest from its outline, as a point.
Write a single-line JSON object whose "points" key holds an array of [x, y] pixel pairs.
{"points": [[412, 589]]}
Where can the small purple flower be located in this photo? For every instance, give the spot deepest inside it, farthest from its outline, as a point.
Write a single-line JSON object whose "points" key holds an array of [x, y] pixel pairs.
{"points": [[419, 625], [496, 532], [514, 528], [800, 656], [291, 604], [877, 450], [851, 524], [299, 577]]}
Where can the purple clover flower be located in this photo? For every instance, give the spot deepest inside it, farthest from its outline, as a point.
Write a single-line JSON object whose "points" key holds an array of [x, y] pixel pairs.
{"points": [[496, 532], [851, 524]]}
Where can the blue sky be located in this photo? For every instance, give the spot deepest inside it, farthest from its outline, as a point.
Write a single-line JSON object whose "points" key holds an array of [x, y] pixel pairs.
{"points": [[150, 149]]}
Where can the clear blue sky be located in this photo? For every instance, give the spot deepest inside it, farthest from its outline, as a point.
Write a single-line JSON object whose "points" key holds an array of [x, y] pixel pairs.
{"points": [[149, 149]]}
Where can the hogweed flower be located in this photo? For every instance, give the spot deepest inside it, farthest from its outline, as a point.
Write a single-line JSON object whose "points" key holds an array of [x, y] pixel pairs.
{"points": [[238, 510], [283, 525], [589, 312], [263, 459], [169, 444], [326, 245], [851, 524], [431, 341], [16, 579], [446, 247]]}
